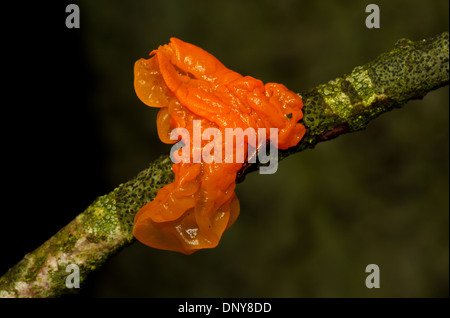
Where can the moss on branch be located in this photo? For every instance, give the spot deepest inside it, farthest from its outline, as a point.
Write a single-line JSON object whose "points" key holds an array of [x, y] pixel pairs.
{"points": [[345, 104]]}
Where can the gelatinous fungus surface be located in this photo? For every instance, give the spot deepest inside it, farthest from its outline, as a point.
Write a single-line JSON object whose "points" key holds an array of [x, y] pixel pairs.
{"points": [[190, 85]]}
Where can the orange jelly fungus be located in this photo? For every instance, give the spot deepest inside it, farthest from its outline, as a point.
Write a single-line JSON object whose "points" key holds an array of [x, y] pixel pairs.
{"points": [[187, 83]]}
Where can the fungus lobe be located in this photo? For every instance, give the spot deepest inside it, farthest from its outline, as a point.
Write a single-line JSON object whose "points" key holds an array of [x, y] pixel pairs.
{"points": [[187, 84]]}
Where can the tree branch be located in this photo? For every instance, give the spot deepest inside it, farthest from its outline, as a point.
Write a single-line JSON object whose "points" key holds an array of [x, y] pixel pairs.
{"points": [[345, 104]]}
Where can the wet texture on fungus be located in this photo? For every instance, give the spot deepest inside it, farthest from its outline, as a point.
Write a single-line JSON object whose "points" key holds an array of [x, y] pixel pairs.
{"points": [[188, 84]]}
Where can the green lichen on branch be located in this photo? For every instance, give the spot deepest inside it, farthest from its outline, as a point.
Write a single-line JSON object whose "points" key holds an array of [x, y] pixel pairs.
{"points": [[103, 229], [409, 71], [345, 104], [348, 103]]}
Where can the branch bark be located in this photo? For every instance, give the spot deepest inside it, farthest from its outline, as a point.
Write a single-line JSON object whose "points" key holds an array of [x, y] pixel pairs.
{"points": [[343, 105]]}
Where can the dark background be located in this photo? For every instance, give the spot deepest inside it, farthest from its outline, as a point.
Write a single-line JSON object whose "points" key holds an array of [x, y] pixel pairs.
{"points": [[73, 129]]}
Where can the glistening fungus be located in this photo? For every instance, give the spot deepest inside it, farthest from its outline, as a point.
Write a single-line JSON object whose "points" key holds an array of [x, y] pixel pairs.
{"points": [[190, 85]]}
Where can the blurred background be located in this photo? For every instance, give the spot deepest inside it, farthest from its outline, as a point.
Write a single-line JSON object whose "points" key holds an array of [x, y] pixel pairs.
{"points": [[74, 129]]}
